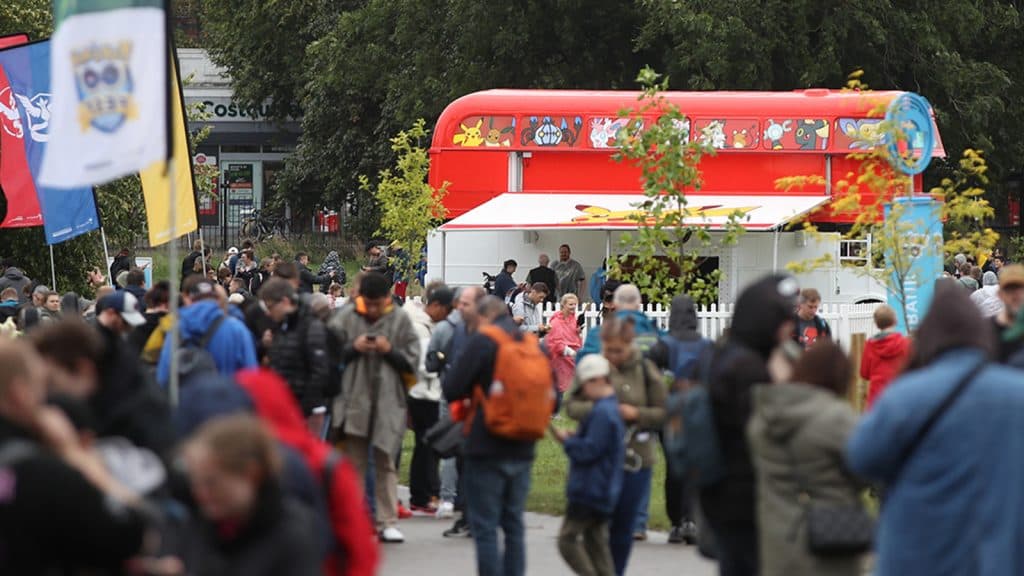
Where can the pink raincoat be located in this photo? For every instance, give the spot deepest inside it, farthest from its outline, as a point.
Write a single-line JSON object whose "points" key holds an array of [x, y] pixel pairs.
{"points": [[564, 334]]}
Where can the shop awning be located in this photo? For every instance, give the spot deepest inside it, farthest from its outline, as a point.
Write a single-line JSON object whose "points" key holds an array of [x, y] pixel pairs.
{"points": [[536, 211]]}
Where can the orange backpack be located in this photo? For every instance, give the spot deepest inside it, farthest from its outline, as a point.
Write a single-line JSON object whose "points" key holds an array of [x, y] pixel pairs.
{"points": [[521, 398]]}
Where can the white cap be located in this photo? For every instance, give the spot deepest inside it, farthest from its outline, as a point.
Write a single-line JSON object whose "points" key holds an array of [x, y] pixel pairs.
{"points": [[232, 251], [592, 366]]}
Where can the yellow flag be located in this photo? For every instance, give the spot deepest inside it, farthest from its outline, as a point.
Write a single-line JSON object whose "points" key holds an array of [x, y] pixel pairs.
{"points": [[156, 183]]}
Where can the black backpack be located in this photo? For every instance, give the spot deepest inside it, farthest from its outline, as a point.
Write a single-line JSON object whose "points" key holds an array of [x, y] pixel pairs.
{"points": [[193, 356]]}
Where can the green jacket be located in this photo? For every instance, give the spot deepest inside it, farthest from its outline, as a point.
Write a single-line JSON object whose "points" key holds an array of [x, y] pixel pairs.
{"points": [[811, 425], [647, 394]]}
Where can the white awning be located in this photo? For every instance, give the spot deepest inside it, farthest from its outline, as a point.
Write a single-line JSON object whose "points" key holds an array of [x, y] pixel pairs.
{"points": [[539, 211]]}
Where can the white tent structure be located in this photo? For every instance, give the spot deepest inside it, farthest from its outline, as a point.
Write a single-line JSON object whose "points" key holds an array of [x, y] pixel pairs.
{"points": [[521, 226]]}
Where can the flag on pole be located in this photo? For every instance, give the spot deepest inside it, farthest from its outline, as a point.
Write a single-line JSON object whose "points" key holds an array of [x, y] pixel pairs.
{"points": [[15, 180], [110, 91], [156, 182], [66, 213]]}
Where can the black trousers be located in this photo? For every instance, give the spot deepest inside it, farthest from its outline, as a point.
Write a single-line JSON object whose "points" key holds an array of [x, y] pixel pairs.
{"points": [[677, 493], [424, 478]]}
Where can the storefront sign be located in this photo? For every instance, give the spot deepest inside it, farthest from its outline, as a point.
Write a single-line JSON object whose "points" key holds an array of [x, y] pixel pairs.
{"points": [[223, 109]]}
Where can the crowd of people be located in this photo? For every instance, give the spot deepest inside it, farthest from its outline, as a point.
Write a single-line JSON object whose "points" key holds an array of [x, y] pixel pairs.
{"points": [[281, 455]]}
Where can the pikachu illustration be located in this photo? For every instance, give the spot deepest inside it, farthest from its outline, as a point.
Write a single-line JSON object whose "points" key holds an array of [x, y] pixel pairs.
{"points": [[471, 136], [599, 215]]}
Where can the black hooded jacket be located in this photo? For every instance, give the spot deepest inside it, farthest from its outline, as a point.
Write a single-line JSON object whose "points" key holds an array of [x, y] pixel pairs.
{"points": [[277, 538], [128, 403], [299, 355], [738, 364], [682, 325], [52, 518]]}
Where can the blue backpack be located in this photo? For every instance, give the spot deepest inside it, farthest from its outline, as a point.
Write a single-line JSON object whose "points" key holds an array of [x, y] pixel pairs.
{"points": [[690, 436]]}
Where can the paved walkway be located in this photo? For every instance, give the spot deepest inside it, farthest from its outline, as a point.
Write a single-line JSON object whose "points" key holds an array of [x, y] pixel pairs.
{"points": [[427, 553]]}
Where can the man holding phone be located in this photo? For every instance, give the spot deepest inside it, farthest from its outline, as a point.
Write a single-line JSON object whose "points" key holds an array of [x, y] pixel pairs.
{"points": [[380, 353]]}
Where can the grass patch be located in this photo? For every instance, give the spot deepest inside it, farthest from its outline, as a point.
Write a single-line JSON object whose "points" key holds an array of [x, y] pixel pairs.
{"points": [[549, 477]]}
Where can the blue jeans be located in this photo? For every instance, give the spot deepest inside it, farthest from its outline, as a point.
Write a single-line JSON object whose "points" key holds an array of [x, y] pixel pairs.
{"points": [[624, 518], [449, 472], [496, 492], [644, 512]]}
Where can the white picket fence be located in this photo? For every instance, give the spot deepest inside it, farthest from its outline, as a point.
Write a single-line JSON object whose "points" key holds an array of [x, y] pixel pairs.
{"points": [[844, 319]]}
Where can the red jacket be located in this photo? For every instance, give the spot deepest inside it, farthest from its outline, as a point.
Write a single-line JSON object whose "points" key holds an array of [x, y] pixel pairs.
{"points": [[884, 357], [276, 406]]}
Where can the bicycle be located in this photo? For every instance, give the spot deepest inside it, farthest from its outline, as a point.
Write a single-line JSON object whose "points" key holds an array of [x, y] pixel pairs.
{"points": [[262, 227]]}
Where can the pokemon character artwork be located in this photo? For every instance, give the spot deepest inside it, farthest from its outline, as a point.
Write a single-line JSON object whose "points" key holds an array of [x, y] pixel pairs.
{"points": [[593, 215]]}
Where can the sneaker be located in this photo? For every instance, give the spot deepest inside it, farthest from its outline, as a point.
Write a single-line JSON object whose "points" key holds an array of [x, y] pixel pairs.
{"points": [[391, 535], [458, 530], [640, 535], [427, 510], [690, 532], [676, 535], [445, 510], [403, 512]]}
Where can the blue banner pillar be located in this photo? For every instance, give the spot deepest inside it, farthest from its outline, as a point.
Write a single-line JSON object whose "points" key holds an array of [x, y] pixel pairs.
{"points": [[920, 225]]}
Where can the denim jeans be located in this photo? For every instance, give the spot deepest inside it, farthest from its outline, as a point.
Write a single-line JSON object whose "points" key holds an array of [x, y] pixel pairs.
{"points": [[496, 492], [643, 513], [449, 470], [625, 516]]}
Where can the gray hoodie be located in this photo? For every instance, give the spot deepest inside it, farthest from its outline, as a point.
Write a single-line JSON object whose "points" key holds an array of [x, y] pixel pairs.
{"points": [[14, 278], [682, 319]]}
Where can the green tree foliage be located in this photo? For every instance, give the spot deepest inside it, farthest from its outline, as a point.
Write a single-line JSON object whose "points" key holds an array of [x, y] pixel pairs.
{"points": [[963, 56], [410, 208], [362, 70], [663, 257], [33, 17], [894, 237]]}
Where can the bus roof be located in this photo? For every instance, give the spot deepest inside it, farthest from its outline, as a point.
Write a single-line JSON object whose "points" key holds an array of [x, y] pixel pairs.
{"points": [[801, 104]]}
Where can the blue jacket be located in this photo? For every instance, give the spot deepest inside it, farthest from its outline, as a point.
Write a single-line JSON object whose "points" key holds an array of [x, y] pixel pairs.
{"points": [[647, 334], [596, 455], [955, 506], [232, 346]]}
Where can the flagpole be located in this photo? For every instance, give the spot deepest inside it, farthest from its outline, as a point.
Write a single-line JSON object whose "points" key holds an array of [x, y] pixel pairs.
{"points": [[53, 270], [106, 256], [173, 265]]}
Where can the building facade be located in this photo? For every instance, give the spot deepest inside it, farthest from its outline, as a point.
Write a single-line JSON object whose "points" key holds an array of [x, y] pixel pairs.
{"points": [[248, 150]]}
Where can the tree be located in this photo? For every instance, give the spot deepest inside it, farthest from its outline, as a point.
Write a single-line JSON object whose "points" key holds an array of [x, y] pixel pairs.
{"points": [[895, 238], [663, 257], [410, 208], [33, 17], [963, 56]]}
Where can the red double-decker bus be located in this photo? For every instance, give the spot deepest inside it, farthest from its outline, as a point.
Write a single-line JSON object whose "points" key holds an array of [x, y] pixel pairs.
{"points": [[561, 142]]}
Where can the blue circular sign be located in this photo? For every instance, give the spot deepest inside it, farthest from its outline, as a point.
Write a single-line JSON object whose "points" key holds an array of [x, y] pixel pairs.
{"points": [[911, 150]]}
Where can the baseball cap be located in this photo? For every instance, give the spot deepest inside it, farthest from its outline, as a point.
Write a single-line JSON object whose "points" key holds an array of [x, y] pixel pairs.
{"points": [[124, 304], [1011, 276], [442, 295], [592, 366], [232, 251]]}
